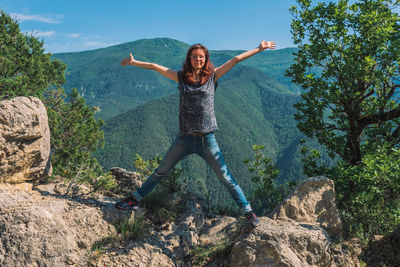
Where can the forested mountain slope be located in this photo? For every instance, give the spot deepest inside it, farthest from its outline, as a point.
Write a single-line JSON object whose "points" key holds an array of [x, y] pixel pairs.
{"points": [[251, 108], [103, 82], [254, 105]]}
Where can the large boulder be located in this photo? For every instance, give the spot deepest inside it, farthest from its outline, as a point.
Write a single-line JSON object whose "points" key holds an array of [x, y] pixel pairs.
{"points": [[299, 233], [312, 201], [287, 244], [41, 226], [39, 229], [24, 140]]}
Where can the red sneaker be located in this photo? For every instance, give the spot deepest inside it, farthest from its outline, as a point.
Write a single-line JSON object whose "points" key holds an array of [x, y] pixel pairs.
{"points": [[129, 203], [252, 219]]}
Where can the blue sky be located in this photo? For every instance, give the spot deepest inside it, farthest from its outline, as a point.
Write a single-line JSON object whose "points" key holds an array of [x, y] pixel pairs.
{"points": [[77, 25], [68, 26]]}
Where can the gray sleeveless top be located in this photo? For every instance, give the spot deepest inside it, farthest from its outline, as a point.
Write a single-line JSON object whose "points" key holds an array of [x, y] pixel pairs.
{"points": [[196, 106]]}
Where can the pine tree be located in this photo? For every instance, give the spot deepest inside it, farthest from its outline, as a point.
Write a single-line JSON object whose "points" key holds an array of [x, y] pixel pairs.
{"points": [[26, 70]]}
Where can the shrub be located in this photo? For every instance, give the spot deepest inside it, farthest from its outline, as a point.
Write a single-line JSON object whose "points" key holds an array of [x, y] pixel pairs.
{"points": [[267, 194], [75, 136], [368, 193], [132, 227], [162, 202]]}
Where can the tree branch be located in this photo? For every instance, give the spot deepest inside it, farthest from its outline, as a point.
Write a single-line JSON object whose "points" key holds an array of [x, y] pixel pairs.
{"points": [[381, 117]]}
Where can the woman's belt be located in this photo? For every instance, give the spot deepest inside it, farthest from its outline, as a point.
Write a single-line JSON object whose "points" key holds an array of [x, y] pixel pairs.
{"points": [[197, 134]]}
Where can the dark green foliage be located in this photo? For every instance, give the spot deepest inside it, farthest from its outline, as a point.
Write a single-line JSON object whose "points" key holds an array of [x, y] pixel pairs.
{"points": [[368, 193], [161, 206], [348, 67], [146, 167], [267, 193], [315, 158], [75, 135], [25, 70]]}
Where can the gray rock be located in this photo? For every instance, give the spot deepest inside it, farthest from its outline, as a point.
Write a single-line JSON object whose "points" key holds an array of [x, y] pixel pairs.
{"points": [[38, 230], [47, 229], [286, 243], [24, 140], [312, 201], [58, 224], [127, 181], [40, 227]]}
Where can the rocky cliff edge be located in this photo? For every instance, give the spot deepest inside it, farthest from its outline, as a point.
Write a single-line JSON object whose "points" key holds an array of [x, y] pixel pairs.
{"points": [[57, 224]]}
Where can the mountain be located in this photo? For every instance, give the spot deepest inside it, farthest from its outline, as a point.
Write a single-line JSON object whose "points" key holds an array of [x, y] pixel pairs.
{"points": [[103, 82], [254, 105], [251, 108]]}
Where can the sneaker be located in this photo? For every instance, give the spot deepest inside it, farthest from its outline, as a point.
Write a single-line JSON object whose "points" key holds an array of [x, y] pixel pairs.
{"points": [[252, 219], [129, 203]]}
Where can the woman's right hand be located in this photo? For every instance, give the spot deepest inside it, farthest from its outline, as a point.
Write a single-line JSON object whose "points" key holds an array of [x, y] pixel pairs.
{"points": [[127, 61], [170, 74]]}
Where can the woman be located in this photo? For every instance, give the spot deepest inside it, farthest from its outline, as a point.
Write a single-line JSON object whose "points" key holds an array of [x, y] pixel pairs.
{"points": [[197, 123]]}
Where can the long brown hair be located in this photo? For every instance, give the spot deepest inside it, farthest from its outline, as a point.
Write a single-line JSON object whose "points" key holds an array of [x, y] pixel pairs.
{"points": [[187, 68]]}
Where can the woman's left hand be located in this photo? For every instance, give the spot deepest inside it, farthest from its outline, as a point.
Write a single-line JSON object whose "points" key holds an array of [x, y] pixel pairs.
{"points": [[267, 45]]}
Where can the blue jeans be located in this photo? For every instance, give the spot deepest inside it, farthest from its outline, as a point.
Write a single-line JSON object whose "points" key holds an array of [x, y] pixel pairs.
{"points": [[206, 147]]}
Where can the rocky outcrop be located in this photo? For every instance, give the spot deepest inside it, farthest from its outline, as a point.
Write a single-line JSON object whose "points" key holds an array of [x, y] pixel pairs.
{"points": [[60, 224], [127, 181], [299, 233], [287, 243], [42, 229], [173, 245], [312, 201], [24, 140]]}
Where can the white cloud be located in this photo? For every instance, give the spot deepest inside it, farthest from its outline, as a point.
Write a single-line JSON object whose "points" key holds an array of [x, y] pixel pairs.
{"points": [[73, 35], [54, 19], [43, 34], [94, 43]]}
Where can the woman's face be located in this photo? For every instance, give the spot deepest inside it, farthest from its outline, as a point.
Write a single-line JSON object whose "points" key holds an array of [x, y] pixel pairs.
{"points": [[198, 59]]}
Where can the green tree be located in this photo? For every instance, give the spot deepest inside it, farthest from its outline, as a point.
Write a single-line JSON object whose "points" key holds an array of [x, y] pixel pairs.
{"points": [[75, 136], [25, 70], [348, 66]]}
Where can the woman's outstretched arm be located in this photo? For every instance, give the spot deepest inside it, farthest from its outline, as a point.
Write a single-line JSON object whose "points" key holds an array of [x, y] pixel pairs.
{"points": [[170, 74], [224, 68]]}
